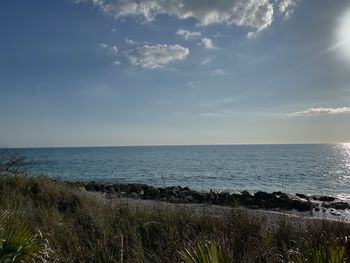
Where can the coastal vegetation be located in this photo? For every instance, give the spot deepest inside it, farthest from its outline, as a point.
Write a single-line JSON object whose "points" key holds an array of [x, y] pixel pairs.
{"points": [[81, 227]]}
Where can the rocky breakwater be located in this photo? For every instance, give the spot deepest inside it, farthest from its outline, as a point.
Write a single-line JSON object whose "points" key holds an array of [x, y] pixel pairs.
{"points": [[258, 200]]}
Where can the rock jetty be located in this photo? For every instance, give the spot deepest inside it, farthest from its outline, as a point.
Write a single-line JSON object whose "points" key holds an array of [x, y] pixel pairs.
{"points": [[258, 200]]}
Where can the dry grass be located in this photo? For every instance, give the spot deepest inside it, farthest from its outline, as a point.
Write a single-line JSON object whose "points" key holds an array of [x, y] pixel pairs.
{"points": [[83, 229]]}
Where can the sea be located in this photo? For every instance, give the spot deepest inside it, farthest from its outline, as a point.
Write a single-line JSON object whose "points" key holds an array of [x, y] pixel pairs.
{"points": [[320, 169]]}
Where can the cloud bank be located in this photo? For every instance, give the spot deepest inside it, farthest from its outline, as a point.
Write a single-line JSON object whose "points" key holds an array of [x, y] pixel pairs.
{"points": [[152, 57], [321, 111], [255, 14]]}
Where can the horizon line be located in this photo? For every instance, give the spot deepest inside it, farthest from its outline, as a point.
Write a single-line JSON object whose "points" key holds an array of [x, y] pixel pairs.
{"points": [[167, 145]]}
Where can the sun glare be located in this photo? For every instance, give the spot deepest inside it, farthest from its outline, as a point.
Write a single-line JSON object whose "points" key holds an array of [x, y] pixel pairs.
{"points": [[343, 34]]}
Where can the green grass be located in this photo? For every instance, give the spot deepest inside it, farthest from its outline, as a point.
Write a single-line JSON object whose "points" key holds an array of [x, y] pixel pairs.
{"points": [[80, 228], [206, 252]]}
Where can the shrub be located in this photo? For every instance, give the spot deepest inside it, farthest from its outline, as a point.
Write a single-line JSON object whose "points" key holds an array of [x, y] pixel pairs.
{"points": [[19, 244]]}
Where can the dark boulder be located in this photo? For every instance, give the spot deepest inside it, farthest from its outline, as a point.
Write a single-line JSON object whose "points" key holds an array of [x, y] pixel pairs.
{"points": [[324, 198], [137, 188], [301, 205], [151, 193], [225, 198], [109, 188], [302, 196], [92, 186], [264, 196], [338, 205]]}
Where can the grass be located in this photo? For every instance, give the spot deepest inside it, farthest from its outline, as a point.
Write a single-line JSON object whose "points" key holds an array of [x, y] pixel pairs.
{"points": [[208, 252], [80, 228]]}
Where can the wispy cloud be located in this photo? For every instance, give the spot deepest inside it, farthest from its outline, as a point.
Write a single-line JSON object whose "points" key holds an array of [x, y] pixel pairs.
{"points": [[152, 57], [130, 41], [113, 50], [218, 72], [321, 111], [205, 61], [186, 34]]}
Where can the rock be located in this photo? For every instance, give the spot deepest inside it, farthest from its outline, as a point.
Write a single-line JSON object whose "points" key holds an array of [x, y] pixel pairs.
{"points": [[334, 212], [264, 196], [197, 197], [92, 186], [339, 205], [245, 194], [172, 199], [109, 188], [302, 196], [278, 193], [301, 205], [137, 188], [324, 198], [225, 198], [189, 199], [151, 193]]}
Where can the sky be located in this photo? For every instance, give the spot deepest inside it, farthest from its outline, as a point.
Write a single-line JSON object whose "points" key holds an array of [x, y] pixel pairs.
{"points": [[164, 72]]}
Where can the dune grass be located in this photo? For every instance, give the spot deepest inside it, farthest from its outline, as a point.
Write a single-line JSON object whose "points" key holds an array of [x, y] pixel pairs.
{"points": [[81, 228]]}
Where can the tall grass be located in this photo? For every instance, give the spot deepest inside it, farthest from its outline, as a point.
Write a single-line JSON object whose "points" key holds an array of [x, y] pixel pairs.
{"points": [[81, 228]]}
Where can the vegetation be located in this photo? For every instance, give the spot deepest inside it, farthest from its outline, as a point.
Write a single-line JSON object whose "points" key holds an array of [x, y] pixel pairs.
{"points": [[208, 252], [19, 244], [83, 228], [318, 253]]}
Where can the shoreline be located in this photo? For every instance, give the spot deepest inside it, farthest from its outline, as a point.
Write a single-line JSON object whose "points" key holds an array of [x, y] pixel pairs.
{"points": [[316, 205]]}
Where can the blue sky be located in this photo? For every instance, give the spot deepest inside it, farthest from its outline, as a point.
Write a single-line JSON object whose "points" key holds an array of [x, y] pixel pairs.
{"points": [[115, 72]]}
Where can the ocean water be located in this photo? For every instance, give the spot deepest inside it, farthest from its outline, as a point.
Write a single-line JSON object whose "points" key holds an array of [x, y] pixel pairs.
{"points": [[302, 168]]}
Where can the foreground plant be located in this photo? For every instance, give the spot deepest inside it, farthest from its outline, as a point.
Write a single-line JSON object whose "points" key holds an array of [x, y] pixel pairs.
{"points": [[207, 252], [325, 253], [19, 244]]}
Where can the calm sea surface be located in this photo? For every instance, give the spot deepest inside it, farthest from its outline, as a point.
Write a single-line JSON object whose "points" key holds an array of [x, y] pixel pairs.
{"points": [[310, 169]]}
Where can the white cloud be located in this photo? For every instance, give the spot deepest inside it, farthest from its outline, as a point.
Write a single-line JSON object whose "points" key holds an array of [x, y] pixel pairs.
{"points": [[103, 45], [113, 50], [252, 34], [286, 7], [256, 14], [156, 56], [207, 42], [130, 41], [117, 62], [321, 111], [186, 34]]}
